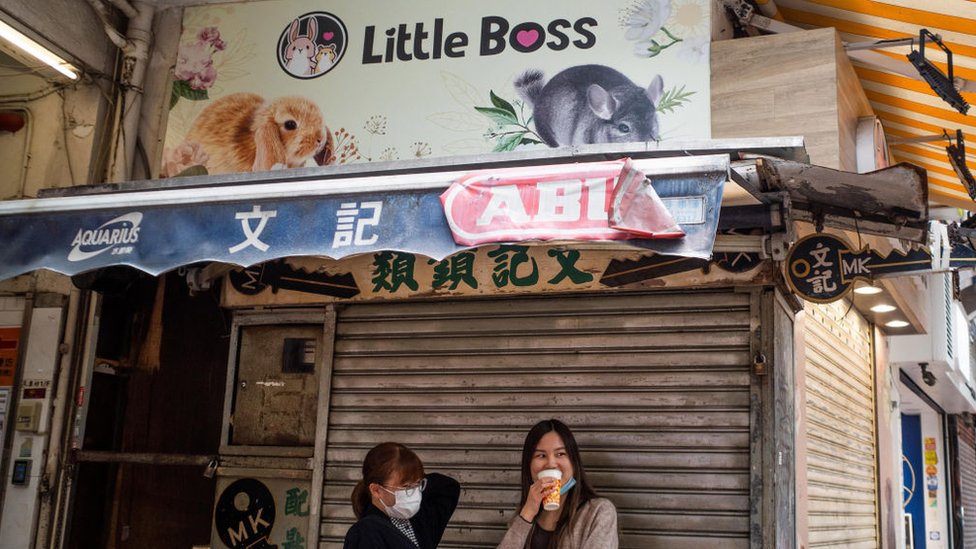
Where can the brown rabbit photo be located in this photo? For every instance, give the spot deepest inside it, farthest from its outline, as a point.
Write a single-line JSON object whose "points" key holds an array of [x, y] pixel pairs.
{"points": [[243, 132]]}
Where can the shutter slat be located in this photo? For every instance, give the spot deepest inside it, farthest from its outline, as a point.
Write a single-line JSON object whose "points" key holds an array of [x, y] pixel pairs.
{"points": [[655, 386], [842, 503]]}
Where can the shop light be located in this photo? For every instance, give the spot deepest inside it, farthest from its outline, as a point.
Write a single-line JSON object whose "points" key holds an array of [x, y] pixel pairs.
{"points": [[37, 51], [942, 84], [957, 157], [927, 376], [867, 290], [896, 324], [883, 308]]}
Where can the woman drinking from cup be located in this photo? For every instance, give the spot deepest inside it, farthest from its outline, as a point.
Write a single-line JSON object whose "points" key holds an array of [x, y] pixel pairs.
{"points": [[559, 509], [397, 505]]}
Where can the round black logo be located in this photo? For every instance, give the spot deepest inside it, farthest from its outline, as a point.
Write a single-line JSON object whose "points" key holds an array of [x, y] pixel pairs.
{"points": [[245, 514], [312, 44]]}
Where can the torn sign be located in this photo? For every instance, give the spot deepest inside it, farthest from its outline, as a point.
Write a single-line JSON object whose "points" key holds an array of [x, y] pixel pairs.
{"points": [[595, 201]]}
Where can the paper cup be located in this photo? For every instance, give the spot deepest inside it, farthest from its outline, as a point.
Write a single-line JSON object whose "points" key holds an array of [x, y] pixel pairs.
{"points": [[551, 501]]}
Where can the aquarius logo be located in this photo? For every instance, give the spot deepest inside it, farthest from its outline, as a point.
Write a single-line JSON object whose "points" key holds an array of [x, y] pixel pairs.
{"points": [[116, 234]]}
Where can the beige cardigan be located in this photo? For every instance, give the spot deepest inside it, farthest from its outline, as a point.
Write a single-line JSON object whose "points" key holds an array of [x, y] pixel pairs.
{"points": [[595, 528]]}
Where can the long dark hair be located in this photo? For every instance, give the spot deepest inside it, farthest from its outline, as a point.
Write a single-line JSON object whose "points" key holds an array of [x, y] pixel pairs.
{"points": [[575, 498], [378, 467]]}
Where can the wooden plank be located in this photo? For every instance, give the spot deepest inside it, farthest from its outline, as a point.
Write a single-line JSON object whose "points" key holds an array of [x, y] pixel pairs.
{"points": [[767, 74]]}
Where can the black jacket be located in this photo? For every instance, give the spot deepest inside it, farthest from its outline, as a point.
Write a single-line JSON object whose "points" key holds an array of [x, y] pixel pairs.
{"points": [[375, 530]]}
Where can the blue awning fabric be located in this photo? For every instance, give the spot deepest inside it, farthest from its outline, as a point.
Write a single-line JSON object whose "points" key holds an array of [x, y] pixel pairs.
{"points": [[159, 230]]}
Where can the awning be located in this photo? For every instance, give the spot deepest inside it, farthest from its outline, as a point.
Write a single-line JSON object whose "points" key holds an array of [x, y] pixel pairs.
{"points": [[908, 107], [890, 202], [159, 230]]}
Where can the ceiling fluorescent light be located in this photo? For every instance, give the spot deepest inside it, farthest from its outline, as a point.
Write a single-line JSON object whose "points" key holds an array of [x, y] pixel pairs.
{"points": [[957, 157], [896, 324], [37, 51], [883, 308]]}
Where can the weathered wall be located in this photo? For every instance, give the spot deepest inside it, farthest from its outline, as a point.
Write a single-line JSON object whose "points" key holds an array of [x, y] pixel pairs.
{"points": [[64, 121], [55, 148]]}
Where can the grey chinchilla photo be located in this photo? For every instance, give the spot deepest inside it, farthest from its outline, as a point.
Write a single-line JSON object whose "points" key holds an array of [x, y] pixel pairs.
{"points": [[591, 104]]}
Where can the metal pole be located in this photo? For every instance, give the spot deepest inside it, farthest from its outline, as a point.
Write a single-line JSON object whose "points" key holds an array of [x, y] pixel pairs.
{"points": [[60, 413], [76, 411]]}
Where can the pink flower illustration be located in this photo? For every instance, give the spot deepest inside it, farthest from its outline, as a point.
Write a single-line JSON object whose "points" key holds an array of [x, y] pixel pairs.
{"points": [[195, 72], [181, 157], [194, 64], [210, 35]]}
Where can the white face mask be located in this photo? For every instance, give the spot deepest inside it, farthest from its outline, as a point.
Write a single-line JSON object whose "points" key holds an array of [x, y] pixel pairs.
{"points": [[405, 506]]}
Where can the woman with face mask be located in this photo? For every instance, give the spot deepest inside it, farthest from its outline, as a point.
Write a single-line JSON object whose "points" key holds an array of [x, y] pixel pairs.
{"points": [[397, 505], [583, 519]]}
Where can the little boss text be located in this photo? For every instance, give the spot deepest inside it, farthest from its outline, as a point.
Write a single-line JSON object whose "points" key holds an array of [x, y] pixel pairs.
{"points": [[497, 34]]}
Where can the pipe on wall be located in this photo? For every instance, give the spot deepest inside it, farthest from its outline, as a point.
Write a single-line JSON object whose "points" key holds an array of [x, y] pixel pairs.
{"points": [[134, 63], [135, 47]]}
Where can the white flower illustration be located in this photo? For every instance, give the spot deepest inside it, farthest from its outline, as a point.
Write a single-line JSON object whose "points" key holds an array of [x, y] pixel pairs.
{"points": [[644, 48], [645, 18], [694, 50]]}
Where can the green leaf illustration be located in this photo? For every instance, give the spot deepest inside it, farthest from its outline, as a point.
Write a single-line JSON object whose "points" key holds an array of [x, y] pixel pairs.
{"points": [[511, 128], [192, 170], [182, 88], [500, 116], [501, 103], [508, 142], [673, 98]]}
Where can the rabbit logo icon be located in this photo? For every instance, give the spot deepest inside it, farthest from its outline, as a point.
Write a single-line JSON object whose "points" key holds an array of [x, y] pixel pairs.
{"points": [[311, 45]]}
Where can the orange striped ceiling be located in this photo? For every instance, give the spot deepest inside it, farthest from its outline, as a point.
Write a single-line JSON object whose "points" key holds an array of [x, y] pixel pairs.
{"points": [[907, 107]]}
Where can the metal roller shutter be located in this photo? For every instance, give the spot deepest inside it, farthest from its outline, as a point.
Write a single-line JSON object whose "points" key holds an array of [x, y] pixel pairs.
{"points": [[656, 387], [841, 442], [967, 481]]}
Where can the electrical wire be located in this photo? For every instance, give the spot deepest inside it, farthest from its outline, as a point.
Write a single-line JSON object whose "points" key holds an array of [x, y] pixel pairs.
{"points": [[64, 133]]}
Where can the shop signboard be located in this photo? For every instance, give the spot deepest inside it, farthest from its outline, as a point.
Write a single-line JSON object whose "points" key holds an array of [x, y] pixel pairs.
{"points": [[822, 267], [261, 513], [489, 270], [284, 84]]}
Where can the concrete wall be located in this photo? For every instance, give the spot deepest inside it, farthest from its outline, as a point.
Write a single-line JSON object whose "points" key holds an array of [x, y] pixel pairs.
{"points": [[20, 501]]}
